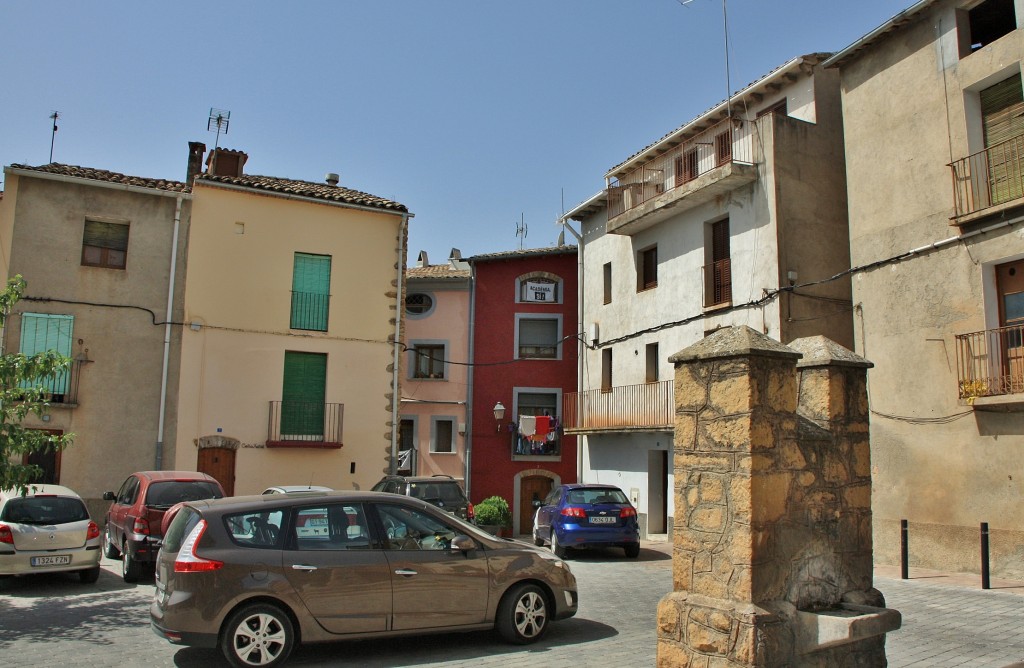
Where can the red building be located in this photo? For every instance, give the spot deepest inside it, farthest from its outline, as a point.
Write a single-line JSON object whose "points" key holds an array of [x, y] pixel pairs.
{"points": [[524, 348]]}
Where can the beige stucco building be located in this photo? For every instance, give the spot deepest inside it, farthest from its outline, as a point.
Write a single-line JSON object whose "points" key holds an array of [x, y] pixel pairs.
{"points": [[435, 369], [934, 135], [289, 351], [103, 257], [733, 218]]}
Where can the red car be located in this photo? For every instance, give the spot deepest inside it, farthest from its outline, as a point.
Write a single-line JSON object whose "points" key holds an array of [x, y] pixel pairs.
{"points": [[133, 530]]}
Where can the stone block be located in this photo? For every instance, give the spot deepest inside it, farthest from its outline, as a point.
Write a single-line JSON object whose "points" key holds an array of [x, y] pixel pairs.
{"points": [[712, 488], [858, 496], [726, 434], [762, 432], [714, 462], [705, 640], [769, 496], [669, 611], [685, 437], [672, 655], [708, 518], [730, 395]]}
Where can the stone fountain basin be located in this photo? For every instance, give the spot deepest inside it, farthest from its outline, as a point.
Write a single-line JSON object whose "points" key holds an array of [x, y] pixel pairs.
{"points": [[841, 624]]}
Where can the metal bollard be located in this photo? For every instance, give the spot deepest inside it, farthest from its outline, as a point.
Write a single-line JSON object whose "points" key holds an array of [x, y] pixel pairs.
{"points": [[984, 556], [904, 551]]}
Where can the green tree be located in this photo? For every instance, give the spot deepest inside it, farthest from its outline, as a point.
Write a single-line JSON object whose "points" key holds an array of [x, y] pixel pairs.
{"points": [[23, 392]]}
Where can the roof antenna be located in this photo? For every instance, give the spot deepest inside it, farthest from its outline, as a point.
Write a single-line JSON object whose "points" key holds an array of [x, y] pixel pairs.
{"points": [[219, 118], [521, 231], [53, 135]]}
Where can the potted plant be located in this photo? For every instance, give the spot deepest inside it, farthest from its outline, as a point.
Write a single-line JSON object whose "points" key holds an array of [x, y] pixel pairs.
{"points": [[494, 516]]}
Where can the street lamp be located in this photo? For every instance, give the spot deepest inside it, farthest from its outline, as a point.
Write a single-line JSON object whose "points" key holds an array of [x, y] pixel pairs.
{"points": [[499, 414]]}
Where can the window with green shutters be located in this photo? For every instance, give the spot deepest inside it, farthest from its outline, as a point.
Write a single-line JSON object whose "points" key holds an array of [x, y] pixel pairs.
{"points": [[303, 394], [45, 331], [311, 292]]}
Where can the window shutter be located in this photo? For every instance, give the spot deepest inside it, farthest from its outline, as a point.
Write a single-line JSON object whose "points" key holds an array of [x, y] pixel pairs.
{"points": [[45, 331], [303, 393], [537, 332], [106, 235], [312, 274]]}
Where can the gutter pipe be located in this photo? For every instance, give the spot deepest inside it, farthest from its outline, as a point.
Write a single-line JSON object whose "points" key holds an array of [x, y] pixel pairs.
{"points": [[159, 459], [399, 300]]}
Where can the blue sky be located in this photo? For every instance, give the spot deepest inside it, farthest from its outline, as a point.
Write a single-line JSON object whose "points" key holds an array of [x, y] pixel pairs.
{"points": [[473, 113]]}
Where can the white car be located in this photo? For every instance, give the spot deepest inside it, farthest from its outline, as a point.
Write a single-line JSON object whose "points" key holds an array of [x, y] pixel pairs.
{"points": [[47, 530]]}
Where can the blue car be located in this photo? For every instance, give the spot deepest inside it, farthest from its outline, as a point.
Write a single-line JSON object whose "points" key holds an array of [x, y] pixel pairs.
{"points": [[581, 515]]}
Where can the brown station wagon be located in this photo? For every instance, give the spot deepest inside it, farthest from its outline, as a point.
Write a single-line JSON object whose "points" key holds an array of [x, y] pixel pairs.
{"points": [[256, 575]]}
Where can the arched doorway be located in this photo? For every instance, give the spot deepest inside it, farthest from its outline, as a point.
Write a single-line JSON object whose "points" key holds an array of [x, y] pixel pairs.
{"points": [[529, 485], [217, 458]]}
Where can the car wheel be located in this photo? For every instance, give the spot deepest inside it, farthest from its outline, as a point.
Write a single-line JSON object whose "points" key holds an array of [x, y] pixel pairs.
{"points": [[559, 551], [632, 550], [257, 635], [131, 569], [523, 615], [110, 551], [90, 575]]}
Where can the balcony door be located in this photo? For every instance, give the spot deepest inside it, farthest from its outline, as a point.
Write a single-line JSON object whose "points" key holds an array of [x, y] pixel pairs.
{"points": [[1002, 109], [1010, 284], [303, 394]]}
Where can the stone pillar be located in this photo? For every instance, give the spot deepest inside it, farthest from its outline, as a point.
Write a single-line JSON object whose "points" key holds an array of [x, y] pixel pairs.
{"points": [[770, 567]]}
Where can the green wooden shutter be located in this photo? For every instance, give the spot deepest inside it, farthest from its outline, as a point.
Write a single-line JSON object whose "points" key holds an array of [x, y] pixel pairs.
{"points": [[303, 394], [311, 289], [45, 331], [1002, 110]]}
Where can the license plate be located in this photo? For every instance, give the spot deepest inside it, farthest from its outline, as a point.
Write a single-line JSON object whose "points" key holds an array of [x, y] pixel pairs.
{"points": [[603, 520], [58, 560]]}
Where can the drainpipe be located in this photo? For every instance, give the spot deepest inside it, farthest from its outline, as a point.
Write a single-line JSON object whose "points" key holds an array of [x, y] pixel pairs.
{"points": [[469, 380], [399, 300], [580, 338], [159, 459]]}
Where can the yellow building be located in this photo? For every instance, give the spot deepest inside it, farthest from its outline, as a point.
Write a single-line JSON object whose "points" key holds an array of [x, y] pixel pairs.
{"points": [[288, 372]]}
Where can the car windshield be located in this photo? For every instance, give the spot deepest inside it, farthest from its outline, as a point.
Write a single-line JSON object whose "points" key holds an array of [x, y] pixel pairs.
{"points": [[433, 492], [166, 493], [596, 495], [45, 510]]}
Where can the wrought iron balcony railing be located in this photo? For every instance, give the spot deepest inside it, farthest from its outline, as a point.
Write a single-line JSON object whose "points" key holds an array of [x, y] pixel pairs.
{"points": [[724, 143], [310, 311], [990, 177], [305, 424], [625, 407], [990, 363]]}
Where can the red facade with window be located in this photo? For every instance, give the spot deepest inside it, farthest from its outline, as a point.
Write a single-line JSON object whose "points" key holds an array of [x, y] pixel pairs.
{"points": [[525, 351]]}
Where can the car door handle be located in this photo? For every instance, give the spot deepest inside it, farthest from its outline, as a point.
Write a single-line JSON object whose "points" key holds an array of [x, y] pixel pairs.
{"points": [[407, 572], [303, 567]]}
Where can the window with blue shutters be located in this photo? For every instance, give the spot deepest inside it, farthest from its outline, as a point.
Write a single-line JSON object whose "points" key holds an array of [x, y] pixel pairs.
{"points": [[311, 292], [45, 331]]}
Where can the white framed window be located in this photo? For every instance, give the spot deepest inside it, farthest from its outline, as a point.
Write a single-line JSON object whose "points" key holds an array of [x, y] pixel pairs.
{"points": [[442, 434], [428, 360], [539, 287], [538, 428], [538, 336]]}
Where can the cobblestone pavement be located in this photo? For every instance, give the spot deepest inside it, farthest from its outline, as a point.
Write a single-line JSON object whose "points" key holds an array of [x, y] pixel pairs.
{"points": [[58, 621]]}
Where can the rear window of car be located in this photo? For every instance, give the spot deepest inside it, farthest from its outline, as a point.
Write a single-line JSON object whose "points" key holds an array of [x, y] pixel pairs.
{"points": [[182, 523], [597, 495], [448, 493], [45, 510], [166, 493]]}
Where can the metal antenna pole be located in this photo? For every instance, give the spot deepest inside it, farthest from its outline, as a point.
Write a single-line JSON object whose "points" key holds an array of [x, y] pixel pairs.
{"points": [[53, 134], [728, 84]]}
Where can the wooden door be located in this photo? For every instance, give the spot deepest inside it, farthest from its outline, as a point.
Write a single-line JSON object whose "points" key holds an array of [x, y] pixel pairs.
{"points": [[48, 461], [1010, 284], [220, 463], [535, 487]]}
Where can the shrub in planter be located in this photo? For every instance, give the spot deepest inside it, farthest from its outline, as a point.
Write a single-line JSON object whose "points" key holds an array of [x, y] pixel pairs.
{"points": [[493, 512]]}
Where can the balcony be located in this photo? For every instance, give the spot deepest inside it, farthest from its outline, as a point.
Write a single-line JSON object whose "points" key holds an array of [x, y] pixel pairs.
{"points": [[310, 311], [990, 368], [305, 424], [700, 169], [989, 181], [646, 407]]}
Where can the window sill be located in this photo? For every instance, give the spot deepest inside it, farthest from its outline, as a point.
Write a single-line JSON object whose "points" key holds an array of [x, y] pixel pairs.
{"points": [[315, 445], [435, 452], [537, 458], [717, 307]]}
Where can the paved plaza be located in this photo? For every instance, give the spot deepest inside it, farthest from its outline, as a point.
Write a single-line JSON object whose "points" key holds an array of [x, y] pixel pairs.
{"points": [[947, 621]]}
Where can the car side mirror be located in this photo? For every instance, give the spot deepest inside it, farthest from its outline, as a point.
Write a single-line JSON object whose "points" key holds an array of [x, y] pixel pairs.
{"points": [[537, 503], [463, 544], [108, 496]]}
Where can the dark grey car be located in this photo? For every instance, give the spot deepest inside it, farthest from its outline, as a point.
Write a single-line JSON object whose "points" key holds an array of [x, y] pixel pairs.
{"points": [[442, 491], [254, 575]]}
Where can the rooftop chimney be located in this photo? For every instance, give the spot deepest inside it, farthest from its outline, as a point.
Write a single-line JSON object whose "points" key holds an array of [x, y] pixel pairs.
{"points": [[332, 179], [195, 160], [225, 162]]}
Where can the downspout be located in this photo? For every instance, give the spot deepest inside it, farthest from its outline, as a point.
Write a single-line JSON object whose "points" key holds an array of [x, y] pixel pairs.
{"points": [[469, 380], [581, 336], [159, 459], [399, 301]]}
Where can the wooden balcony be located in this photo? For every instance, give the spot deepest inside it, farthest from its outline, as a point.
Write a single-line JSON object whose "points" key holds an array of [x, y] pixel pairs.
{"points": [[700, 169], [990, 368], [305, 424], [647, 407], [989, 181]]}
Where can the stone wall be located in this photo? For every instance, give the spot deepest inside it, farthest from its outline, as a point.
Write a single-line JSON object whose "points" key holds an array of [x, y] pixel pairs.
{"points": [[772, 532]]}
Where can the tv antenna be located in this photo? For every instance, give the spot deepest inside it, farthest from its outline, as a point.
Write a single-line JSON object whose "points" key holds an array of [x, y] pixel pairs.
{"points": [[521, 231], [219, 120], [53, 134], [728, 84]]}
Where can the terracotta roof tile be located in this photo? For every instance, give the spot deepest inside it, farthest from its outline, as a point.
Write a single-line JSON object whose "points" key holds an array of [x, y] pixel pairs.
{"points": [[105, 175], [438, 272], [512, 254], [322, 191]]}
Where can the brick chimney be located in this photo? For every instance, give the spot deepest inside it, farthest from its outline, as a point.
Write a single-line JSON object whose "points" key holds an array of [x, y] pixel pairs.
{"points": [[225, 162], [196, 149]]}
